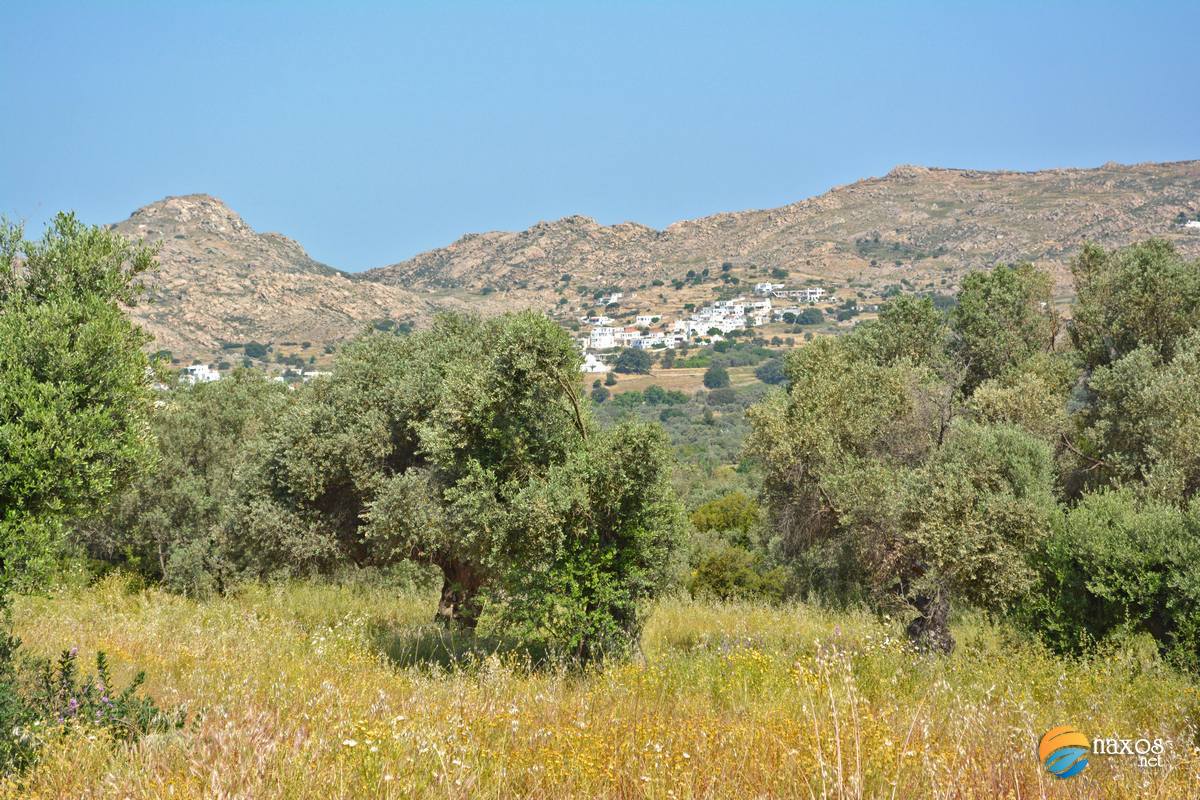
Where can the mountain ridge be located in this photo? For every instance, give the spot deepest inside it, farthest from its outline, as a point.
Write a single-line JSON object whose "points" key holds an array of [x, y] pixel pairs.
{"points": [[922, 228], [792, 235]]}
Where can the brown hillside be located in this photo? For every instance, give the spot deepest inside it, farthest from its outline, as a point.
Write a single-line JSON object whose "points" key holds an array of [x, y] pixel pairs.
{"points": [[221, 281], [929, 220]]}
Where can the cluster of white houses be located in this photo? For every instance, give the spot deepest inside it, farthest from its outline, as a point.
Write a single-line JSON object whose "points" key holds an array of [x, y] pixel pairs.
{"points": [[203, 373], [650, 332]]}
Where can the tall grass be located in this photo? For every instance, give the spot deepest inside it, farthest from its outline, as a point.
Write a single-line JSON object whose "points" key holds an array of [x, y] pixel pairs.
{"points": [[311, 690]]}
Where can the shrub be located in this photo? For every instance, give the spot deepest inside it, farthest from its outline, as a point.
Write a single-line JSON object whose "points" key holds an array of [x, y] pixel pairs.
{"points": [[1117, 565], [63, 696], [255, 350], [716, 377], [722, 397], [771, 372], [599, 393], [633, 361], [733, 573], [55, 698], [735, 511]]}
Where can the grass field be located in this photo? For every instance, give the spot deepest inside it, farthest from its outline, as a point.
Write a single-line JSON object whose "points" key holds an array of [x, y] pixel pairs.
{"points": [[685, 380], [321, 691]]}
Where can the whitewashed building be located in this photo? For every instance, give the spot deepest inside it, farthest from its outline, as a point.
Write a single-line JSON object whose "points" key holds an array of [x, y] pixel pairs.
{"points": [[200, 373], [593, 364]]}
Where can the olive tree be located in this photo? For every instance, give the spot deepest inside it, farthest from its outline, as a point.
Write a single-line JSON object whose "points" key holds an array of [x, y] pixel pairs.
{"points": [[169, 522], [864, 465], [74, 385], [1144, 295], [467, 447], [1003, 317]]}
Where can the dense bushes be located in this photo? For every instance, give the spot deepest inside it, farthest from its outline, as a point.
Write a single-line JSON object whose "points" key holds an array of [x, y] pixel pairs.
{"points": [[74, 386], [171, 523], [633, 361], [734, 573], [1119, 564], [925, 458]]}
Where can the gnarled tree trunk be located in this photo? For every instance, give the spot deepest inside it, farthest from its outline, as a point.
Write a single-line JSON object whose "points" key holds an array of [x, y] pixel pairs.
{"points": [[931, 630], [459, 603]]}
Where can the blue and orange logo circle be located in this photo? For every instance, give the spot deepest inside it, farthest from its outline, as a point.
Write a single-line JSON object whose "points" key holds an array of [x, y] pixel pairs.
{"points": [[1063, 751]]}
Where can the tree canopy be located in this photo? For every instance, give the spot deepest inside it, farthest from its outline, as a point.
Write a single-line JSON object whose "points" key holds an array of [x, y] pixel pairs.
{"points": [[74, 383]]}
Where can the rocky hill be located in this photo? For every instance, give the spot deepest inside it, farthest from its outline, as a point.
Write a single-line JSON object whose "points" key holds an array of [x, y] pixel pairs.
{"points": [[915, 222], [219, 282], [222, 283]]}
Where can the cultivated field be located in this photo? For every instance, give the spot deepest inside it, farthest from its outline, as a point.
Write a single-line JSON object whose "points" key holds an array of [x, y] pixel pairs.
{"points": [[687, 380], [321, 691]]}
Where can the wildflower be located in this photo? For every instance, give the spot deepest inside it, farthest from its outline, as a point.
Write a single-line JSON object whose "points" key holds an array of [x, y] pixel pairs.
{"points": [[349, 742]]}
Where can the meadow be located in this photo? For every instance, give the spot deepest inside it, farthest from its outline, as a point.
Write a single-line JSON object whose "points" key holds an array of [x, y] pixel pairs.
{"points": [[346, 690]]}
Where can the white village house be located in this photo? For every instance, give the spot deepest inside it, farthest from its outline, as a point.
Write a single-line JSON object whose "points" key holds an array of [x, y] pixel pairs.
{"points": [[199, 373]]}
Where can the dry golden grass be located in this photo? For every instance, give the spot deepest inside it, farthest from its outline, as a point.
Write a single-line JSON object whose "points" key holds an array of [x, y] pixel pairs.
{"points": [[687, 380], [290, 695]]}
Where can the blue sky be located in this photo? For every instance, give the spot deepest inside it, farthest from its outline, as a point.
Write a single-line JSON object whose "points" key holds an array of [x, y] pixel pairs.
{"points": [[372, 131]]}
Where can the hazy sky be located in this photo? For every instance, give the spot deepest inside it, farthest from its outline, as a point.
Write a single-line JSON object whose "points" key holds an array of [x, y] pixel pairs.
{"points": [[372, 131]]}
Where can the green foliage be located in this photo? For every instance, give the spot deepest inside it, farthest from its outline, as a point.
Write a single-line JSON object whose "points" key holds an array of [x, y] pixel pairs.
{"points": [[861, 466], [633, 361], [1033, 396], [722, 397], [1116, 565], [716, 377], [656, 395], [734, 573], [908, 328], [628, 399], [170, 523], [1143, 296], [591, 543], [735, 511], [74, 386], [976, 512], [771, 372], [44, 700], [1002, 318], [1143, 422], [809, 316], [255, 350], [599, 394], [466, 447], [62, 697]]}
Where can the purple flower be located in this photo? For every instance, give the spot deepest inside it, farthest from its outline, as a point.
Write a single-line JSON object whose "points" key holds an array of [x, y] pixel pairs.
{"points": [[73, 705], [74, 651]]}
